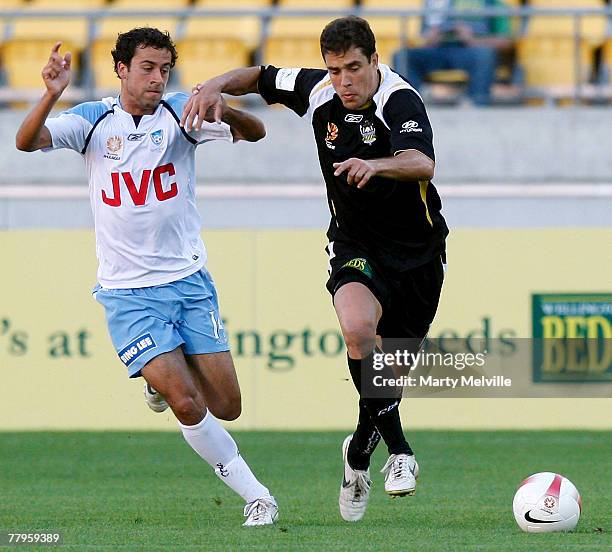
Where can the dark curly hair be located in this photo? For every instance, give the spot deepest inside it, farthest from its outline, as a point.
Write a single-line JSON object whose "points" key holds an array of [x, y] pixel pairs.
{"points": [[141, 37], [343, 33]]}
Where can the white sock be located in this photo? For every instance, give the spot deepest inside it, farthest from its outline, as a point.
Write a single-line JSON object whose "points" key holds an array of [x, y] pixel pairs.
{"points": [[216, 446]]}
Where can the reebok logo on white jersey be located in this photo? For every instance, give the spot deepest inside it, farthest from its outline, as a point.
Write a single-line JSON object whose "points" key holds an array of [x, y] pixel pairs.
{"points": [[410, 126]]}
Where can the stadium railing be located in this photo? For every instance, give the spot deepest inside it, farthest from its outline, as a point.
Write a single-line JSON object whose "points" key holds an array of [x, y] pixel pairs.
{"points": [[571, 47]]}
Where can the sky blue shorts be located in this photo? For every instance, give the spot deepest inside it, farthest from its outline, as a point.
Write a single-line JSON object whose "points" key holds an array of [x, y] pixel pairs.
{"points": [[146, 322]]}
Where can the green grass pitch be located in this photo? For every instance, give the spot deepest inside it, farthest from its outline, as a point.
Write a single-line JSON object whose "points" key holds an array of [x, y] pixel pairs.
{"points": [[149, 491]]}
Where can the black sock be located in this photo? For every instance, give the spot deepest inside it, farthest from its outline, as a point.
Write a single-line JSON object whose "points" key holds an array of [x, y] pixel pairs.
{"points": [[366, 437], [364, 441], [383, 411], [385, 415]]}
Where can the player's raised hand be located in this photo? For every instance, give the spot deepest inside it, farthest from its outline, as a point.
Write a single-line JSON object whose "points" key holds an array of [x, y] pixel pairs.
{"points": [[205, 104], [359, 171], [56, 73]]}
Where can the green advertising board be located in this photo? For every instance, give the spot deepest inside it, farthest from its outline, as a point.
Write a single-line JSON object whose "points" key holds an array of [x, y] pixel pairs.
{"points": [[572, 337]]}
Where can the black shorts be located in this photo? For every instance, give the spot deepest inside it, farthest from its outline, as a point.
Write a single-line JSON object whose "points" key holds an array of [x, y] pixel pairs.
{"points": [[409, 299]]}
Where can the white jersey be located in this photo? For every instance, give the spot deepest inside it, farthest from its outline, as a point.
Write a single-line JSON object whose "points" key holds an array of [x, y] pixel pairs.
{"points": [[141, 187]]}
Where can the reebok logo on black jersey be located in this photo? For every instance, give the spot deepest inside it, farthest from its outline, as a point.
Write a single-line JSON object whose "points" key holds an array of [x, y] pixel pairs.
{"points": [[352, 118]]}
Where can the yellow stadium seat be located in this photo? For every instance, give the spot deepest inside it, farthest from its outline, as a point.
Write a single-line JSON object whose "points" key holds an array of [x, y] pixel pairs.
{"points": [[67, 4], [13, 4], [388, 33], [29, 46], [402, 4], [547, 52], [314, 4], [234, 4], [592, 27], [150, 4], [550, 61], [101, 59], [294, 42], [199, 60], [607, 57], [247, 29], [213, 45]]}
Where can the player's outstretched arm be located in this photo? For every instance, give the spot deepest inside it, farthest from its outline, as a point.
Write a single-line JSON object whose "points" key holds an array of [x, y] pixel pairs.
{"points": [[32, 134], [244, 126], [407, 165], [206, 97]]}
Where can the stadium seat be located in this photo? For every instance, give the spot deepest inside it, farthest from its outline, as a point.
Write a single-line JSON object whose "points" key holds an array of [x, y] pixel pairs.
{"points": [[234, 4], [13, 4], [150, 4], [549, 62], [315, 4], [213, 45], [547, 51], [68, 4], [28, 48], [400, 4], [105, 79], [592, 27], [294, 41], [388, 33], [413, 24]]}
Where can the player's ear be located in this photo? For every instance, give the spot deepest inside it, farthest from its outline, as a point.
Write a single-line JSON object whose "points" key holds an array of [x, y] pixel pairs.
{"points": [[122, 69], [374, 59]]}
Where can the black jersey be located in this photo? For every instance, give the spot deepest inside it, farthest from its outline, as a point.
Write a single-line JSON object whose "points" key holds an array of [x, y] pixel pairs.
{"points": [[398, 222]]}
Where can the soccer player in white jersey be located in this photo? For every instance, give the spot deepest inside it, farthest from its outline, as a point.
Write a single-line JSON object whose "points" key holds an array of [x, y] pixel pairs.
{"points": [[160, 301]]}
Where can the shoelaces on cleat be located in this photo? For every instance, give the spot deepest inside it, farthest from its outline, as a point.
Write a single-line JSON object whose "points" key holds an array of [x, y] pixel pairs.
{"points": [[398, 470], [256, 510]]}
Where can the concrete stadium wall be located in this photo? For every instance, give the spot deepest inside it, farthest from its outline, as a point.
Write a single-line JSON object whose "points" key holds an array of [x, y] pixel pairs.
{"points": [[472, 145]]}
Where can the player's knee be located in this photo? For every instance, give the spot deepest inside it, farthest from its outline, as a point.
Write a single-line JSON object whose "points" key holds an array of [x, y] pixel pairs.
{"points": [[230, 410], [360, 338], [187, 408]]}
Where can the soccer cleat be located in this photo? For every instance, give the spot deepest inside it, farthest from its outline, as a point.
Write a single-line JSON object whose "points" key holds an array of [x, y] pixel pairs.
{"points": [[154, 400], [263, 511], [354, 490], [401, 472]]}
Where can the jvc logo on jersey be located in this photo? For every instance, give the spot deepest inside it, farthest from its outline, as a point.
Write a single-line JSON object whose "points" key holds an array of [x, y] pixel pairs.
{"points": [[410, 126], [139, 193], [136, 348], [136, 136], [352, 118]]}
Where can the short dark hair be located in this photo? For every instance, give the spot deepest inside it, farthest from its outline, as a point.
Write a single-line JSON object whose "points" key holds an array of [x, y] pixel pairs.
{"points": [[141, 37], [343, 33]]}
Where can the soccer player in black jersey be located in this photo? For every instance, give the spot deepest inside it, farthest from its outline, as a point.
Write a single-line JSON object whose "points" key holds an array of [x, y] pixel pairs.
{"points": [[386, 235]]}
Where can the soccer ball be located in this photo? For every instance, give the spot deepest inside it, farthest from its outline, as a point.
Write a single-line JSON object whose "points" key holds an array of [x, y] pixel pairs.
{"points": [[546, 502]]}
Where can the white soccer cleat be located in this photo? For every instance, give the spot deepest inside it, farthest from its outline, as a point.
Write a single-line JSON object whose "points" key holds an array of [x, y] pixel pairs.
{"points": [[354, 490], [263, 511], [154, 400], [401, 472]]}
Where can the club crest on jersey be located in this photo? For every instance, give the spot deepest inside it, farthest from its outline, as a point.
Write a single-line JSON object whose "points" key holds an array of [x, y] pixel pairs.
{"points": [[114, 144], [332, 134], [157, 137], [368, 132]]}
